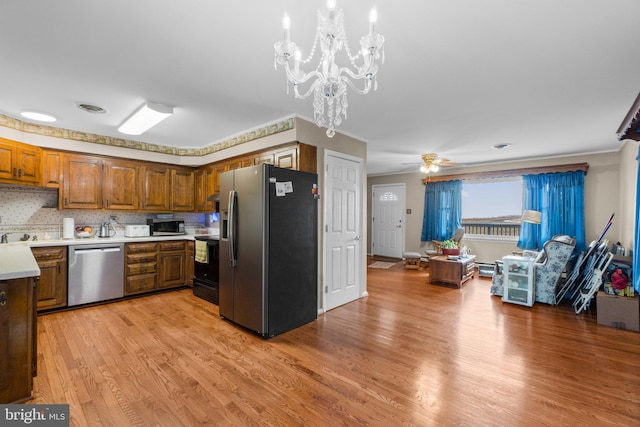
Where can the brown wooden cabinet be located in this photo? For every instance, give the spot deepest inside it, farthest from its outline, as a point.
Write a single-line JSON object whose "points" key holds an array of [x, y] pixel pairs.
{"points": [[190, 262], [200, 189], [238, 163], [18, 361], [287, 159], [120, 184], [20, 163], [82, 182], [183, 190], [172, 271], [52, 288], [207, 184], [150, 266], [140, 267], [52, 174], [155, 188]]}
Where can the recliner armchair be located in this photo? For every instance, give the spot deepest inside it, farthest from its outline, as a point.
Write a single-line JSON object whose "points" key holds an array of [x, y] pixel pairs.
{"points": [[548, 265]]}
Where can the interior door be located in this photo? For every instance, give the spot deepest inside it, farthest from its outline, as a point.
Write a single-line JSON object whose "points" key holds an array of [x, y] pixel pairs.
{"points": [[388, 220], [343, 229]]}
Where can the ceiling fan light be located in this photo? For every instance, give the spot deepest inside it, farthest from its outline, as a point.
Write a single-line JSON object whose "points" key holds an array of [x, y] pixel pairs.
{"points": [[144, 118], [434, 168], [424, 169]]}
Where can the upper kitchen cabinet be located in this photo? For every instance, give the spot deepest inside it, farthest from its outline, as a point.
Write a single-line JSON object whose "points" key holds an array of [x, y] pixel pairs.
{"points": [[82, 182], [200, 189], [120, 186], [155, 188], [183, 190], [207, 186], [51, 168], [298, 156], [19, 163], [238, 163]]}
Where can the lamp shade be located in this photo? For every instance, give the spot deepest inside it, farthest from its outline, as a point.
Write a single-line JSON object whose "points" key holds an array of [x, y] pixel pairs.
{"points": [[531, 216]]}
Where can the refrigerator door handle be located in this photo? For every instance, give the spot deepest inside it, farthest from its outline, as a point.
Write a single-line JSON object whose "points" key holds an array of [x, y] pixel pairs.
{"points": [[231, 228]]}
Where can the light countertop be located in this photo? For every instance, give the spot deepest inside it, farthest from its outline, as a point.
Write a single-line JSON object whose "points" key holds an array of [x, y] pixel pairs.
{"points": [[94, 240], [16, 262]]}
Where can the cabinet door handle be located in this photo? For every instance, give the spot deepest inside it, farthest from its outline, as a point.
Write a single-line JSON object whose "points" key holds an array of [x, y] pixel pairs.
{"points": [[59, 271], [15, 172], [20, 172], [3, 298]]}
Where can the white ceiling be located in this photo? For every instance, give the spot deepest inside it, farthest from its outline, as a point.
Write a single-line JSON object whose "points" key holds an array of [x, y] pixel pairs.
{"points": [[549, 77]]}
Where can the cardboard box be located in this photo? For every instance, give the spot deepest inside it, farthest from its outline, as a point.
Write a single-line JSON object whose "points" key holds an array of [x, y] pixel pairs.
{"points": [[619, 312]]}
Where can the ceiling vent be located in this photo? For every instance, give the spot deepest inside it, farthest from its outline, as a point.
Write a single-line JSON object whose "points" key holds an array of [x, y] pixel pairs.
{"points": [[90, 108]]}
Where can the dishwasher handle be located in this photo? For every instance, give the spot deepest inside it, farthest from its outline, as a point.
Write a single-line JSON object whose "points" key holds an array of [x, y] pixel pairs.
{"points": [[96, 250]]}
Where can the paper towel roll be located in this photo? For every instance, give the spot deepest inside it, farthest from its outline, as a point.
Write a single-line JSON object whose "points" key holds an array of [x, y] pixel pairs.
{"points": [[68, 228]]}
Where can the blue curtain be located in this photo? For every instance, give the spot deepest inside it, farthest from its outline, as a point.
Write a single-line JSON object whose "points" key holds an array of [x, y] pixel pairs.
{"points": [[442, 210], [560, 199], [636, 240]]}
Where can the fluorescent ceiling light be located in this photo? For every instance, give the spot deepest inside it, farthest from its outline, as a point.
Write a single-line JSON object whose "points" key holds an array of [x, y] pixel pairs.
{"points": [[41, 117], [144, 118]]}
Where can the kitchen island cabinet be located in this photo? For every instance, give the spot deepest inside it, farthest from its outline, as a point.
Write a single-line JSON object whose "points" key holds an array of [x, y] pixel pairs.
{"points": [[17, 339], [52, 287], [18, 289]]}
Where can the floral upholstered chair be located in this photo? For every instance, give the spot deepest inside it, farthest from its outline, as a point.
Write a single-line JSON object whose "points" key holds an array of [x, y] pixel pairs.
{"points": [[549, 266]]}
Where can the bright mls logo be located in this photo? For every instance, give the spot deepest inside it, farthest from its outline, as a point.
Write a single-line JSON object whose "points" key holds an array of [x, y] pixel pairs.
{"points": [[36, 415]]}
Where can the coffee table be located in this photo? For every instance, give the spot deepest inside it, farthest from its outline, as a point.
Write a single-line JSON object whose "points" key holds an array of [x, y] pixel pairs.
{"points": [[453, 272]]}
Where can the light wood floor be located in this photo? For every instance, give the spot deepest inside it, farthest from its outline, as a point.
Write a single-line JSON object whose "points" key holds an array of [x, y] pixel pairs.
{"points": [[408, 354]]}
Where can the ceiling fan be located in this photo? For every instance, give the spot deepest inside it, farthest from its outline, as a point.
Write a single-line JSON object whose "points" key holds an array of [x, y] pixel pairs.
{"points": [[432, 163]]}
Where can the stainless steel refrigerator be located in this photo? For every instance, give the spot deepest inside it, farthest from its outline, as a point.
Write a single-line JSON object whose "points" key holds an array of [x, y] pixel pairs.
{"points": [[268, 248]]}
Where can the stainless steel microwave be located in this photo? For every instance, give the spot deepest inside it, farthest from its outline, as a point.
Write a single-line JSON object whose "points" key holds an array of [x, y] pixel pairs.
{"points": [[165, 227]]}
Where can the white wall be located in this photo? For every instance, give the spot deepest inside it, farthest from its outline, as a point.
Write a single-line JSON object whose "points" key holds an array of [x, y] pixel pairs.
{"points": [[309, 133], [609, 188]]}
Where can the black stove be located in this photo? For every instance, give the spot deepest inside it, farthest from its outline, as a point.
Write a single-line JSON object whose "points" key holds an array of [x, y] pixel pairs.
{"points": [[205, 282]]}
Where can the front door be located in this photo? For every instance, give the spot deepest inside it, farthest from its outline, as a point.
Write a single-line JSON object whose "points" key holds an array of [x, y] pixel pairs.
{"points": [[343, 244], [388, 220]]}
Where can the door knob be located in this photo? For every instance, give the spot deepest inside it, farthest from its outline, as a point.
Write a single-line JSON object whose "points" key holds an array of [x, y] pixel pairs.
{"points": [[357, 237]]}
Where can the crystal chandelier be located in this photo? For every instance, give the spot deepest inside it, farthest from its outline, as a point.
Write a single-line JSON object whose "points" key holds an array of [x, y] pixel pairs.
{"points": [[328, 80]]}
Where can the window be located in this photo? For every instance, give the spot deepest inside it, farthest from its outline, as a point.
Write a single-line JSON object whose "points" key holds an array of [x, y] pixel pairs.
{"points": [[492, 207]]}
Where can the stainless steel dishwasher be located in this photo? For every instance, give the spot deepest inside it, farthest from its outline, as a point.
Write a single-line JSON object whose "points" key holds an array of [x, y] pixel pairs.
{"points": [[96, 273]]}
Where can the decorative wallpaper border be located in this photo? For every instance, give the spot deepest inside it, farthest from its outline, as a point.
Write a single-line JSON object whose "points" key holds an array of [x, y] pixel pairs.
{"points": [[271, 129]]}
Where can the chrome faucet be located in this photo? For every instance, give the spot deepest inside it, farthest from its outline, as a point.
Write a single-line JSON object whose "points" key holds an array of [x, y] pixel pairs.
{"points": [[5, 238]]}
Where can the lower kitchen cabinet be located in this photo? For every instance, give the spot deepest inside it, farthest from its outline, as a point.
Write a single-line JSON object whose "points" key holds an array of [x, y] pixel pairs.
{"points": [[190, 262], [17, 339], [140, 267], [150, 266], [172, 272], [52, 288]]}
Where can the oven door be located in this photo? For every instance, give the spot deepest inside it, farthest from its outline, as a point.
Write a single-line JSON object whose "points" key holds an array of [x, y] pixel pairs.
{"points": [[205, 282]]}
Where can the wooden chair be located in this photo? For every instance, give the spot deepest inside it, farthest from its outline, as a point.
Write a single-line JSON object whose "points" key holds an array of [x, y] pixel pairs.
{"points": [[437, 244]]}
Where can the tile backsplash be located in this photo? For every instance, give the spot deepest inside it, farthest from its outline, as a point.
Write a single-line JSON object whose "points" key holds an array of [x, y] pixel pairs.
{"points": [[33, 211]]}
